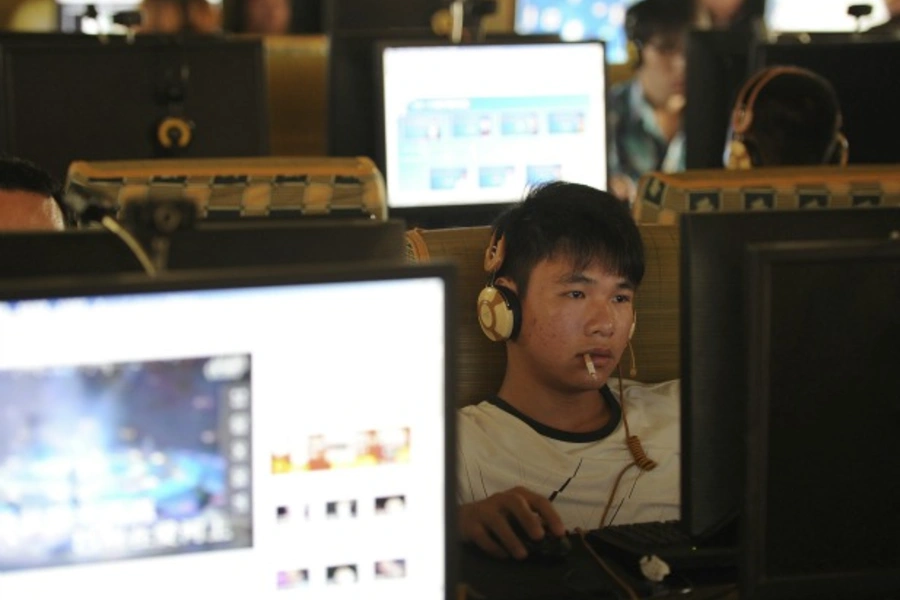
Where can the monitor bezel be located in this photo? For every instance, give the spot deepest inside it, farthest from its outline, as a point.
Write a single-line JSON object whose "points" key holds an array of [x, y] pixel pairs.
{"points": [[760, 259], [187, 281]]}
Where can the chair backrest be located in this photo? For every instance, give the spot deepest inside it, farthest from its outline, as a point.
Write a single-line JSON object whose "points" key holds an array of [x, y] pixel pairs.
{"points": [[662, 196], [296, 73], [251, 186], [481, 363]]}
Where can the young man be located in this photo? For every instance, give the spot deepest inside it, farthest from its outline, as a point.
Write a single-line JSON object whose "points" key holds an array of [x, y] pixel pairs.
{"points": [[645, 130], [549, 451], [28, 198], [785, 116]]}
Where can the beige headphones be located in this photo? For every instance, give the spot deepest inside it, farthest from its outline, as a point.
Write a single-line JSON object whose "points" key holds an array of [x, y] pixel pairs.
{"points": [[738, 155], [499, 312]]}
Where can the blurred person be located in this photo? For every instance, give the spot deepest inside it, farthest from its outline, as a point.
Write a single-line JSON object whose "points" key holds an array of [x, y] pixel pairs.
{"points": [[785, 116], [727, 14], [645, 112], [29, 198], [267, 17], [168, 17]]}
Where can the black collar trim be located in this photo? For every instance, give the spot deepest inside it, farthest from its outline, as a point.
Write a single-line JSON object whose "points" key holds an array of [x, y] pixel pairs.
{"points": [[615, 412]]}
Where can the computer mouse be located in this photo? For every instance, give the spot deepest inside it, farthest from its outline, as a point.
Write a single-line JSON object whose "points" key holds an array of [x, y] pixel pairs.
{"points": [[550, 548]]}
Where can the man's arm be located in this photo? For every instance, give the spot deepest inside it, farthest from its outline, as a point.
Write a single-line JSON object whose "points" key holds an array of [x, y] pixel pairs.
{"points": [[486, 523]]}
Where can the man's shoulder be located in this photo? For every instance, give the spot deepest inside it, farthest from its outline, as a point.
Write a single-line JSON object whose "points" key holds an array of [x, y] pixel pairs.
{"points": [[619, 96], [662, 397]]}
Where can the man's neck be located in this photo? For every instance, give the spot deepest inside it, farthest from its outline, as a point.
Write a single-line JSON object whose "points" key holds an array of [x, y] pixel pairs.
{"points": [[573, 411]]}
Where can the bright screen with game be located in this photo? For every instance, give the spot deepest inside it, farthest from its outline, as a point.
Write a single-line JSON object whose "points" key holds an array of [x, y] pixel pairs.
{"points": [[243, 442], [478, 124]]}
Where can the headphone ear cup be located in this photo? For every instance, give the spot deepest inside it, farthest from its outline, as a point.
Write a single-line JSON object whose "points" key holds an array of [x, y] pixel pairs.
{"points": [[499, 313], [737, 156]]}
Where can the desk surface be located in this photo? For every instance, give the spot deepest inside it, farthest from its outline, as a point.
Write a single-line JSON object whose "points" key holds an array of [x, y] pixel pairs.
{"points": [[578, 577]]}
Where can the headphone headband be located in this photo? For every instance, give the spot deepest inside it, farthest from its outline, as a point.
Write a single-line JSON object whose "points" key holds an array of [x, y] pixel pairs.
{"points": [[742, 115]]}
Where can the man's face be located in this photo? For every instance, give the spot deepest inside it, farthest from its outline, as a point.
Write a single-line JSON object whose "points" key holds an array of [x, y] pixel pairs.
{"points": [[664, 65], [568, 313], [28, 211]]}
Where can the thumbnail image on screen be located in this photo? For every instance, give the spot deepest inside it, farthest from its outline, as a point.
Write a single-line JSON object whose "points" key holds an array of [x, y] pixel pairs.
{"points": [[124, 460], [479, 124], [577, 20]]}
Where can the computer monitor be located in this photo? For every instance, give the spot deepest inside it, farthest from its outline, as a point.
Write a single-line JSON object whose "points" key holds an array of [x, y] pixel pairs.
{"points": [[577, 21], [713, 345], [477, 124], [209, 245], [718, 64], [159, 97], [821, 505], [861, 69], [829, 15], [245, 435]]}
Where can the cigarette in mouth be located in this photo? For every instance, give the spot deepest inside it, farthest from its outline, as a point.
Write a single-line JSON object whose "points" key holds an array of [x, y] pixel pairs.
{"points": [[589, 363]]}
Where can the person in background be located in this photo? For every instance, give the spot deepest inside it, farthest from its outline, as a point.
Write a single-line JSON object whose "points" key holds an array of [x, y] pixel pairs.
{"points": [[645, 112], [785, 116], [168, 17], [556, 449], [267, 17], [727, 14], [29, 198]]}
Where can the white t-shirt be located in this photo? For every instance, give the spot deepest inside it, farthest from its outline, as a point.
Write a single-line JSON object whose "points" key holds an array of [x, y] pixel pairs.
{"points": [[500, 448]]}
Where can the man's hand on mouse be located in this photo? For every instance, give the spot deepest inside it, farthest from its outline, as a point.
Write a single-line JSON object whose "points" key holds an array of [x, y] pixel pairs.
{"points": [[486, 523]]}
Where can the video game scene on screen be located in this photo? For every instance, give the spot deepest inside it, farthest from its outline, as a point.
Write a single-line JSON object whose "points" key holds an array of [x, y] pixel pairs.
{"points": [[115, 461]]}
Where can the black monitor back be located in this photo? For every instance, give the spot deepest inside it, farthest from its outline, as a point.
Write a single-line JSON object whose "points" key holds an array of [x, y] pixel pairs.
{"points": [[354, 28], [211, 245], [66, 98], [822, 499], [717, 66], [713, 345], [863, 71]]}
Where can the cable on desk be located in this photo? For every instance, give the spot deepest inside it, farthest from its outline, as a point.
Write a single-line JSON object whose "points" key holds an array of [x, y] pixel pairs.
{"points": [[632, 595]]}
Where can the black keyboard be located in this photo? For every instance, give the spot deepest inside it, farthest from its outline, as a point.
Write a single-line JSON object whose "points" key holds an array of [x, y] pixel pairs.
{"points": [[665, 539]]}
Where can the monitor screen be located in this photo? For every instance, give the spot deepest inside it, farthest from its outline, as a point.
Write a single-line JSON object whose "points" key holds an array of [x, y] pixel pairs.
{"points": [[246, 436], [829, 15], [821, 507], [577, 21], [210, 245], [713, 343], [159, 97], [718, 63], [863, 73], [94, 16], [478, 124]]}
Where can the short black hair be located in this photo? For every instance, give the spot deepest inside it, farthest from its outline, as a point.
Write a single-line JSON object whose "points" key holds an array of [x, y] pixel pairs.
{"points": [[19, 174], [570, 219], [649, 18], [796, 121]]}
